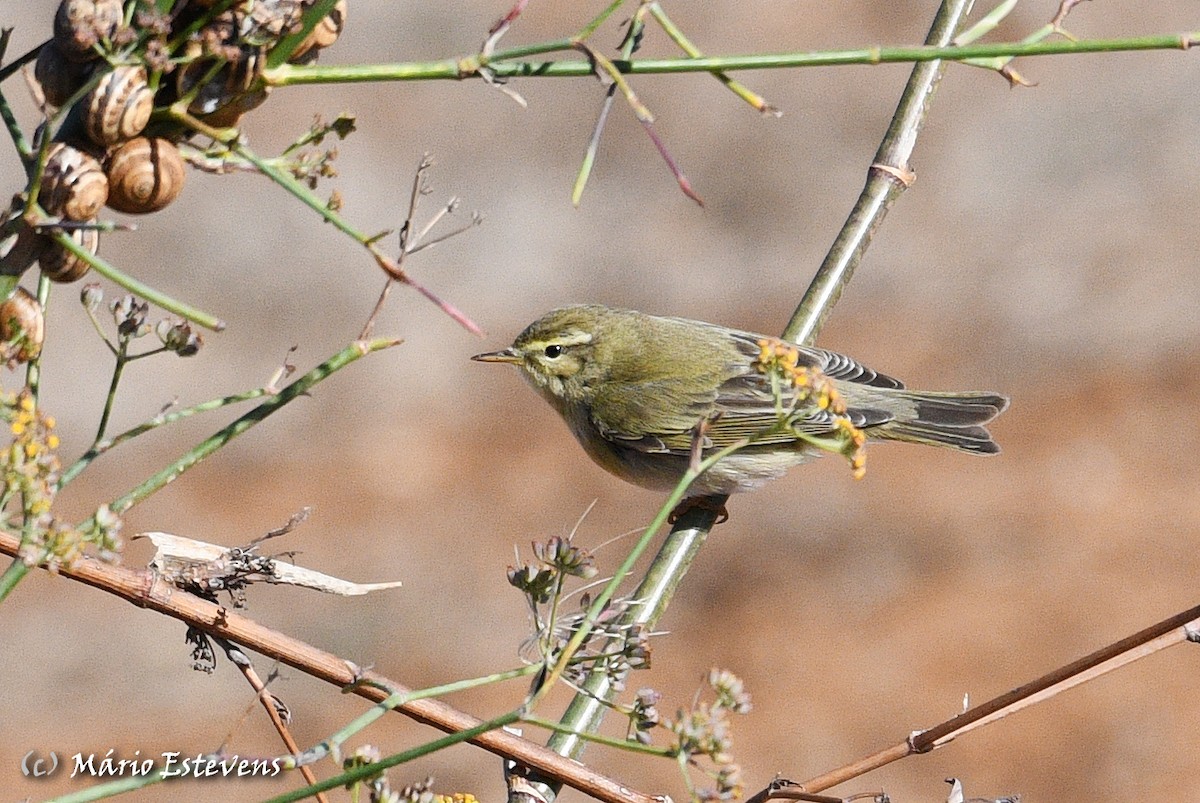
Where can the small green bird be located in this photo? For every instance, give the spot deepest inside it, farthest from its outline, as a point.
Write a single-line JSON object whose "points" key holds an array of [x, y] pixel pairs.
{"points": [[638, 391]]}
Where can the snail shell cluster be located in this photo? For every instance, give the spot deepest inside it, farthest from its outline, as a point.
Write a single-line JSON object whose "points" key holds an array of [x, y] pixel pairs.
{"points": [[115, 150]]}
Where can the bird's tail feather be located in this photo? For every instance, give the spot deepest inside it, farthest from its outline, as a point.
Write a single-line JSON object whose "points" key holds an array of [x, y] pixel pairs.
{"points": [[954, 420]]}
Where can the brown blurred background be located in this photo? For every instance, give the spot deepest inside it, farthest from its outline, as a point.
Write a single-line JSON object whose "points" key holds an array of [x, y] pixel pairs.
{"points": [[1047, 250]]}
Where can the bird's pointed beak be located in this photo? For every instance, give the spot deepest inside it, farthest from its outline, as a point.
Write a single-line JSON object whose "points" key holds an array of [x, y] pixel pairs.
{"points": [[506, 355]]}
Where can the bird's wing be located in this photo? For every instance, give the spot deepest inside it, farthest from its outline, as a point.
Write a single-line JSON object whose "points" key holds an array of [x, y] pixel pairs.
{"points": [[743, 406]]}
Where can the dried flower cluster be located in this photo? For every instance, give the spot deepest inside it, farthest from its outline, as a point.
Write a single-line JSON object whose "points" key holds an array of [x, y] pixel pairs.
{"points": [[129, 314], [611, 646], [798, 389], [704, 732], [31, 470]]}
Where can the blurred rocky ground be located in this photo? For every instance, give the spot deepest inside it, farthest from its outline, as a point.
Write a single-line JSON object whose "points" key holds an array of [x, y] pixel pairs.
{"points": [[1047, 250]]}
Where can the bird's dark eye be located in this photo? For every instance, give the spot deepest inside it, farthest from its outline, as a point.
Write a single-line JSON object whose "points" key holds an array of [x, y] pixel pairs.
{"points": [[553, 351]]}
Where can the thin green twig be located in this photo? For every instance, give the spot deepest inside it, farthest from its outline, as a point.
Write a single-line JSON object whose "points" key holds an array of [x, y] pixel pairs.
{"points": [[593, 147], [741, 90], [33, 371], [299, 387], [457, 69], [331, 744], [595, 738], [12, 575], [145, 291], [310, 19], [609, 590], [102, 446], [599, 20], [372, 770], [642, 113], [15, 132]]}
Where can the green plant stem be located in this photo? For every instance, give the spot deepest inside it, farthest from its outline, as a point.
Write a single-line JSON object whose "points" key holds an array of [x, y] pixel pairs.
{"points": [[186, 311], [12, 575], [595, 738], [523, 51], [24, 150], [610, 588], [593, 147], [457, 69], [102, 446], [17, 63], [686, 538], [371, 770], [112, 788], [885, 182], [218, 439], [685, 44], [118, 369], [33, 371], [332, 743], [599, 20], [287, 45]]}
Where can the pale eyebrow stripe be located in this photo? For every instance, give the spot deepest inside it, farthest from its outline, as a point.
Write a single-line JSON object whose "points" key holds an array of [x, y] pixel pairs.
{"points": [[574, 338]]}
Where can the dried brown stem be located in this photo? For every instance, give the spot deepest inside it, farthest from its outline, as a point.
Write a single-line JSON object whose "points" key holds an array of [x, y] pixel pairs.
{"points": [[144, 589], [604, 67], [1170, 631], [271, 705], [1064, 8], [501, 27]]}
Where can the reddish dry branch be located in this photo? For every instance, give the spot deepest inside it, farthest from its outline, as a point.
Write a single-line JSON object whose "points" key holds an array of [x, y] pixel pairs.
{"points": [[146, 590], [1173, 630]]}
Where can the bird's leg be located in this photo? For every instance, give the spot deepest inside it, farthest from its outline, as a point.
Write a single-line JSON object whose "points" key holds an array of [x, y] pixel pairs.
{"points": [[700, 440], [713, 502]]}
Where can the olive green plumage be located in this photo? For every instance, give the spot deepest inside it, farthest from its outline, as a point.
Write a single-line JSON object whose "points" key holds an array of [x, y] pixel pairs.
{"points": [[633, 388]]}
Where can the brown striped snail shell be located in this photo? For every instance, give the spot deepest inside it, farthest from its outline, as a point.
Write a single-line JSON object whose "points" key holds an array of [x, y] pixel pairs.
{"points": [[61, 265], [231, 92], [144, 175], [271, 19], [80, 24], [58, 76], [73, 183], [22, 322], [20, 245], [323, 34], [119, 107]]}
